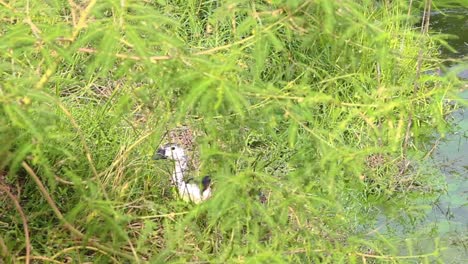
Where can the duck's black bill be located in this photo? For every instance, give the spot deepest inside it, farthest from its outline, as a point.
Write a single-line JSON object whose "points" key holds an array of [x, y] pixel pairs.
{"points": [[160, 154]]}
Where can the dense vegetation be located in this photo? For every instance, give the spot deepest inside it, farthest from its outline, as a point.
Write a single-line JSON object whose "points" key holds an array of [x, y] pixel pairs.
{"points": [[311, 116]]}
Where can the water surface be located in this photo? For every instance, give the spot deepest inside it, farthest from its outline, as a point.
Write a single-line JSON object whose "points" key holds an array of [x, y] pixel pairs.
{"points": [[436, 225]]}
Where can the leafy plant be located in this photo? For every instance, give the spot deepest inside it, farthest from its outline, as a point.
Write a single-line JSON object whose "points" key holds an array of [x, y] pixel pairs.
{"points": [[293, 98]]}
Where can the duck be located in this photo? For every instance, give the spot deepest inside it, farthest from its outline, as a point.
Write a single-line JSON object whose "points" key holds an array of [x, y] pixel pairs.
{"points": [[188, 190]]}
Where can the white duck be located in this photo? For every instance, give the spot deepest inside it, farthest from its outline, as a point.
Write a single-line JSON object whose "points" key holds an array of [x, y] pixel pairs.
{"points": [[189, 192]]}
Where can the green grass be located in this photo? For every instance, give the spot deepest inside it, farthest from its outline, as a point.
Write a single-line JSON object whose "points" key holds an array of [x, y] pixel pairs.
{"points": [[290, 98]]}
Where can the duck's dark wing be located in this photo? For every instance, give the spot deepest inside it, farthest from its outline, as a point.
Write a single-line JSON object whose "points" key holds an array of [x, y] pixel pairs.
{"points": [[206, 182]]}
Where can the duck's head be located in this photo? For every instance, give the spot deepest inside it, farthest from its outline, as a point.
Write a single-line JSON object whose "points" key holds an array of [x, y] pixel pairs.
{"points": [[170, 151]]}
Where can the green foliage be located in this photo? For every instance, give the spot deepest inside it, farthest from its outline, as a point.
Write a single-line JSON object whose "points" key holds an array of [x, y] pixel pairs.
{"points": [[295, 100]]}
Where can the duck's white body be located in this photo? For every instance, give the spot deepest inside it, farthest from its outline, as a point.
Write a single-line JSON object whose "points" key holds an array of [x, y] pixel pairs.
{"points": [[189, 192]]}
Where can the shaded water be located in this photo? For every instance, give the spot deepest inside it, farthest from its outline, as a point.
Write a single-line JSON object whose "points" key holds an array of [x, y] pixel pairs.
{"points": [[455, 23], [438, 225]]}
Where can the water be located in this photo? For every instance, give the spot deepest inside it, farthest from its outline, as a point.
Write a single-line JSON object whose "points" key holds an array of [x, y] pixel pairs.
{"points": [[449, 213], [455, 23], [439, 223]]}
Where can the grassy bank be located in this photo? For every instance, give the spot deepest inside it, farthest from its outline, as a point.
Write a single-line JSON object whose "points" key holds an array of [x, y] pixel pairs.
{"points": [[317, 108]]}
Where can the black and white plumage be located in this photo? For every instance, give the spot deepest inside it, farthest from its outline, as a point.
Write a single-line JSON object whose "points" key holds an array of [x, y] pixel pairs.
{"points": [[188, 191]]}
